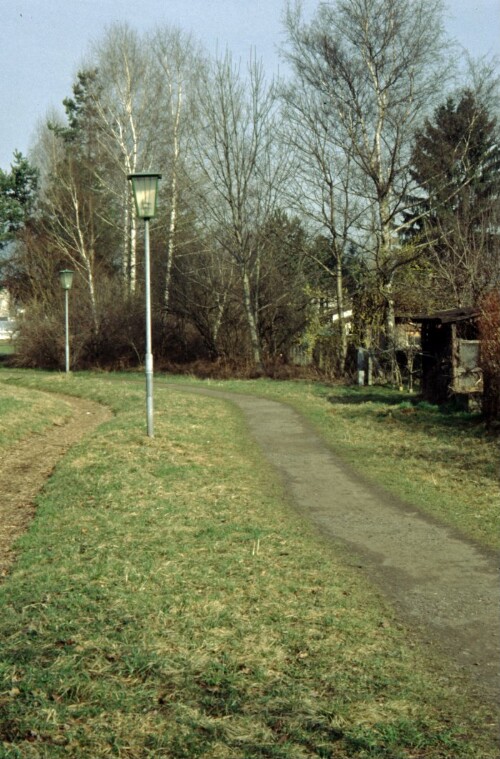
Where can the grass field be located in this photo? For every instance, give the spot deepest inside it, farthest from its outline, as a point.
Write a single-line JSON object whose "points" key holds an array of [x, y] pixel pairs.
{"points": [[168, 603]]}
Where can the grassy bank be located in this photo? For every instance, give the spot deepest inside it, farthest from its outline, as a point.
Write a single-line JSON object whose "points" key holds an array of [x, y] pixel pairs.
{"points": [[168, 603]]}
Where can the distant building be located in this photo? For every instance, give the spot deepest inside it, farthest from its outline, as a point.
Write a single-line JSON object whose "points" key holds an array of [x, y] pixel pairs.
{"points": [[450, 355], [4, 304], [7, 322]]}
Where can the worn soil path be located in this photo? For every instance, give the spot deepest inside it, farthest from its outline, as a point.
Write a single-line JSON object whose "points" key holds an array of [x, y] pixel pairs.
{"points": [[25, 468], [444, 587]]}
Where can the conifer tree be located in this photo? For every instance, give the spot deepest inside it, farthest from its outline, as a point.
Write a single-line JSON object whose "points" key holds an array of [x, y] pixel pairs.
{"points": [[456, 164]]}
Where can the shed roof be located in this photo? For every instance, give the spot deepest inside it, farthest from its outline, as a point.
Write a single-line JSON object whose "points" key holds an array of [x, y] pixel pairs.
{"points": [[451, 316]]}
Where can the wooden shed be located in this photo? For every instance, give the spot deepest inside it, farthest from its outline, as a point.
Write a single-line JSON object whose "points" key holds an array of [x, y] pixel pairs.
{"points": [[450, 355]]}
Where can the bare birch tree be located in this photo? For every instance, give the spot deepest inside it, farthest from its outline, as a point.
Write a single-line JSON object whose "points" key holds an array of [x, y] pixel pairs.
{"points": [[378, 65], [321, 187], [129, 111], [69, 210], [178, 62], [242, 172]]}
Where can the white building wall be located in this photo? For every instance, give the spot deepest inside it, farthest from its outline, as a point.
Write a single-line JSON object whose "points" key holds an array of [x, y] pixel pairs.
{"points": [[4, 303], [7, 324]]}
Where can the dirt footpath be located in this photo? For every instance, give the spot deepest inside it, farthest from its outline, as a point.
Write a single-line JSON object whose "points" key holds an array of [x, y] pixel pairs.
{"points": [[25, 468], [444, 587]]}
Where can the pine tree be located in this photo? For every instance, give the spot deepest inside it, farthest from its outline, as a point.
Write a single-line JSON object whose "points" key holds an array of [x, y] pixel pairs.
{"points": [[456, 165], [18, 191]]}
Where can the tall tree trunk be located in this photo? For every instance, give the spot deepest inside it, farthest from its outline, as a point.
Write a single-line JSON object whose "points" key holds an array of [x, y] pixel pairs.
{"points": [[340, 312], [132, 274], [390, 328], [92, 294], [129, 258], [252, 322], [221, 305], [171, 242], [176, 115]]}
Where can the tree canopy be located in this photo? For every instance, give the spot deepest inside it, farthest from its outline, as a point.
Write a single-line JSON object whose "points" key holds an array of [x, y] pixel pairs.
{"points": [[305, 211], [456, 165]]}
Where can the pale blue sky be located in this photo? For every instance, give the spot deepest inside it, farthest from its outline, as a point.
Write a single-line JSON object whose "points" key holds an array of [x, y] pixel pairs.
{"points": [[43, 43]]}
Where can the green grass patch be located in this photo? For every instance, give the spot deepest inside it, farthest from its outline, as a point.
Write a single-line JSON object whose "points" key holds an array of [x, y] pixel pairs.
{"points": [[167, 602]]}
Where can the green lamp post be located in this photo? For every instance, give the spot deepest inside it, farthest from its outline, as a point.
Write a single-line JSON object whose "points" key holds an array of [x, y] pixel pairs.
{"points": [[145, 189], [66, 280]]}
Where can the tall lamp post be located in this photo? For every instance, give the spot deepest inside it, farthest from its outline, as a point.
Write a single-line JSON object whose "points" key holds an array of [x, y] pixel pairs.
{"points": [[66, 280], [145, 189]]}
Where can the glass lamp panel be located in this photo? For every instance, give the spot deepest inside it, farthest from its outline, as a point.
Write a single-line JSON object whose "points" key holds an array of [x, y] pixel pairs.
{"points": [[66, 278], [145, 187]]}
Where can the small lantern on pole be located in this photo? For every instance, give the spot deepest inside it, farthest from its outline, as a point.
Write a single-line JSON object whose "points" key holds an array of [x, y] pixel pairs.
{"points": [[145, 189], [66, 280]]}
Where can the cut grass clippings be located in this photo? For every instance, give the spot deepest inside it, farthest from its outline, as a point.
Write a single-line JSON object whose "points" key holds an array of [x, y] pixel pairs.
{"points": [[168, 603]]}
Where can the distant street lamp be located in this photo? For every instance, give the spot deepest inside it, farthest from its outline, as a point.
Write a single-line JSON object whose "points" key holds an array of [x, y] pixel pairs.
{"points": [[145, 189], [66, 280]]}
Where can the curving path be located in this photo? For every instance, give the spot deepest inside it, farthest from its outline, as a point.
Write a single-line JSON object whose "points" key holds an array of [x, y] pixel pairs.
{"points": [[443, 586]]}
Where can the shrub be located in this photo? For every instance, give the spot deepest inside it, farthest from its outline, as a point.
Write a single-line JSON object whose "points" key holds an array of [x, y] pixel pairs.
{"points": [[489, 331]]}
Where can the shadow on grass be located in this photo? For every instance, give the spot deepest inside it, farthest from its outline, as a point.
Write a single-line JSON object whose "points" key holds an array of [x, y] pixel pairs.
{"points": [[385, 396], [414, 411]]}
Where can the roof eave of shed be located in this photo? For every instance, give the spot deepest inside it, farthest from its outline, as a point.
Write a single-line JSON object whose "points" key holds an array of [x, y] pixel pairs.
{"points": [[448, 317]]}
